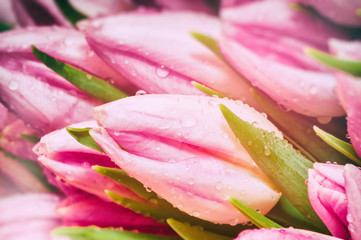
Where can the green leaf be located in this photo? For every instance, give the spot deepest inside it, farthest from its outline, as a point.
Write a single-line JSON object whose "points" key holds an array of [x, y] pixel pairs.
{"points": [[89, 83], [287, 215], [209, 42], [33, 168], [341, 146], [345, 65], [286, 168], [207, 90], [30, 138], [157, 208], [256, 218], [83, 137], [188, 232], [4, 27], [298, 129], [70, 12], [96, 233]]}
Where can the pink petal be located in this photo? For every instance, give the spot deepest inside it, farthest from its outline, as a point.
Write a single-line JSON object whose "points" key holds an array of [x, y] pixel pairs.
{"points": [[337, 11], [86, 210], [349, 90], [283, 234], [157, 52], [94, 8], [248, 30], [7, 14], [188, 5], [316, 193], [193, 185], [192, 120], [353, 193]]}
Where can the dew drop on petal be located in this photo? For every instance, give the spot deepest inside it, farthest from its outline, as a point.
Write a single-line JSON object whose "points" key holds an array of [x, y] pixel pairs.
{"points": [[324, 120], [267, 151], [13, 85], [219, 186], [140, 92], [161, 71], [233, 222], [187, 121]]}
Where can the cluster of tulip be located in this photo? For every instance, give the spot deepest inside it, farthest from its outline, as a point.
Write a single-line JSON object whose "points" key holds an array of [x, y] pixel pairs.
{"points": [[197, 119]]}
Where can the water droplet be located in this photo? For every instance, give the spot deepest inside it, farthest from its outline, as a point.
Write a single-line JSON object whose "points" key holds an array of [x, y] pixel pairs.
{"points": [[349, 218], [351, 227], [306, 181], [284, 107], [249, 143], [313, 90], [191, 181], [348, 136], [213, 102], [134, 74], [96, 24], [267, 151], [116, 133], [180, 206], [148, 189], [264, 115], [324, 120], [162, 72], [86, 164], [88, 76], [140, 92], [153, 201], [70, 176], [157, 149], [187, 121], [196, 214], [233, 222], [219, 186], [13, 85]]}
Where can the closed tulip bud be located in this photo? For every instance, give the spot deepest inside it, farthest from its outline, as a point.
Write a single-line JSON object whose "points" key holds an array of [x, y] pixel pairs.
{"points": [[71, 163], [87, 210], [182, 148], [269, 52], [34, 92], [334, 192], [349, 89], [156, 52]]}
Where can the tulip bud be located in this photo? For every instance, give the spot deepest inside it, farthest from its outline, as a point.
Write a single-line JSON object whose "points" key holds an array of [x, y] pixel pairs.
{"points": [[35, 93], [334, 193], [269, 52], [283, 234], [182, 148], [71, 162], [343, 14], [28, 216], [87, 210], [349, 89], [156, 52]]}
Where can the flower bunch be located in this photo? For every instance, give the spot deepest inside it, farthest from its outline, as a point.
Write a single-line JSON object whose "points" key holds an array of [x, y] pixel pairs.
{"points": [[180, 119]]}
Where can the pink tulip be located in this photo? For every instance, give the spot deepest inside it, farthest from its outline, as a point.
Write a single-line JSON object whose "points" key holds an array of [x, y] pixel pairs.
{"points": [[283, 234], [268, 49], [28, 217], [182, 148], [334, 192], [157, 53], [340, 12], [71, 163], [349, 89], [37, 94], [86, 210]]}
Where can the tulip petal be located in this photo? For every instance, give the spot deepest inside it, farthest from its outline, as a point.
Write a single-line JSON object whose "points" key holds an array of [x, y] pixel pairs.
{"points": [[283, 234], [193, 233], [353, 192], [170, 58], [193, 197], [249, 29], [86, 210], [96, 233]]}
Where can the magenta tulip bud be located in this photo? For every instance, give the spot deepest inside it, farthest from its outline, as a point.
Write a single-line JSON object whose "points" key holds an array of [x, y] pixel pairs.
{"points": [[156, 52], [71, 162], [283, 234], [28, 216], [182, 148], [269, 51], [334, 192], [34, 92], [342, 13], [349, 89], [87, 210]]}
